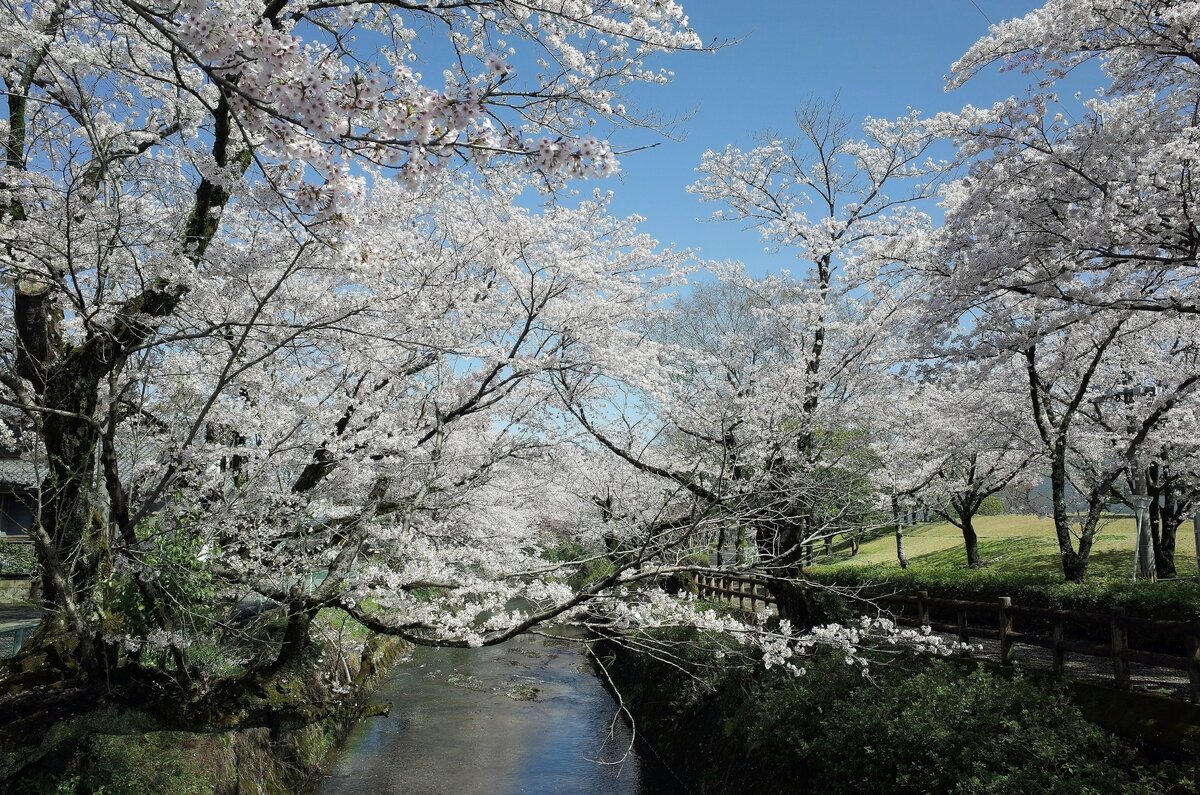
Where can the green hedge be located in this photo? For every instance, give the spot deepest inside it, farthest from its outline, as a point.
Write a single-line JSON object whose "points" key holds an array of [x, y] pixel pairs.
{"points": [[942, 730], [1176, 600], [17, 560]]}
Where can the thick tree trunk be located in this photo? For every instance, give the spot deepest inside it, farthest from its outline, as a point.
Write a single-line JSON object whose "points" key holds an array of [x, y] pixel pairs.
{"points": [[74, 543], [792, 601], [970, 540], [1165, 553], [1074, 564], [295, 638], [1172, 518], [1074, 568]]}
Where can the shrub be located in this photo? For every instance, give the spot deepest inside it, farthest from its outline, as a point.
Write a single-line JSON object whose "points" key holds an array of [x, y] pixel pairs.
{"points": [[918, 725], [18, 560], [943, 731], [991, 506], [591, 566], [1163, 600]]}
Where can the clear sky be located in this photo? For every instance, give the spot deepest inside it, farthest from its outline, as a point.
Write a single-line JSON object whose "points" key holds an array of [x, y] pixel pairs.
{"points": [[880, 57]]}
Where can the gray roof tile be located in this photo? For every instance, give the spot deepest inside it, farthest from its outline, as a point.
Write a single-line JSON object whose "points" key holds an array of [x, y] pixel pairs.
{"points": [[16, 472]]}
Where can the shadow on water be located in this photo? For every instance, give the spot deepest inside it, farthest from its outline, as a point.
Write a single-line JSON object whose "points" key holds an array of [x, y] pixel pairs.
{"points": [[528, 716]]}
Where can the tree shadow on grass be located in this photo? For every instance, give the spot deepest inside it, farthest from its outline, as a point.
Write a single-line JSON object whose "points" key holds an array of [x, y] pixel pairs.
{"points": [[1111, 563], [1009, 555]]}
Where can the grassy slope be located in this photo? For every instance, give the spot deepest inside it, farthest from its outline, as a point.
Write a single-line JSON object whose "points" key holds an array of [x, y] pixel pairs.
{"points": [[1020, 545]]}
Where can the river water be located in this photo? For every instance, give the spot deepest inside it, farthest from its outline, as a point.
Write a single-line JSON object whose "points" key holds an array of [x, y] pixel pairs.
{"points": [[528, 716]]}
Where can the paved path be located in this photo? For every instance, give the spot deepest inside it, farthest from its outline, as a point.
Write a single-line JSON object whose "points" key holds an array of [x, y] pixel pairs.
{"points": [[1080, 667], [1094, 670]]}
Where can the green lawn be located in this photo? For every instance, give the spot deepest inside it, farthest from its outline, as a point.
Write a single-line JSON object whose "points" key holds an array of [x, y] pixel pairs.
{"points": [[1011, 544]]}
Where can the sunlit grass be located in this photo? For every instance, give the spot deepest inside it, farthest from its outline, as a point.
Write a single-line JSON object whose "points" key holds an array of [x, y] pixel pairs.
{"points": [[1016, 544]]}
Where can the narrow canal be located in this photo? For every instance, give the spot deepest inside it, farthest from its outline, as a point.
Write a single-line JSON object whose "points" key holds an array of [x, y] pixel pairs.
{"points": [[529, 716]]}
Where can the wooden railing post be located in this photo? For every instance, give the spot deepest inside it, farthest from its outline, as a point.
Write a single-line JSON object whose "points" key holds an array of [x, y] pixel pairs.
{"points": [[923, 608], [1120, 642], [1007, 652], [1121, 649], [1057, 634], [1194, 667]]}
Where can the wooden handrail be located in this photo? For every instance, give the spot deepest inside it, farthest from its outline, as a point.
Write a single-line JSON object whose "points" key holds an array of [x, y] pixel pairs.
{"points": [[1076, 616], [1119, 649]]}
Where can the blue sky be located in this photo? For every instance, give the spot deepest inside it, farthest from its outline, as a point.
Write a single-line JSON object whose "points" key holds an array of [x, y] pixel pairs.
{"points": [[880, 57]]}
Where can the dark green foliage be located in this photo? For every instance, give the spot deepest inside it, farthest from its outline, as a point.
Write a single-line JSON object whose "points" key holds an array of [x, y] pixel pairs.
{"points": [[182, 577], [991, 506], [150, 764], [845, 496], [18, 560], [588, 566], [917, 726], [942, 730]]}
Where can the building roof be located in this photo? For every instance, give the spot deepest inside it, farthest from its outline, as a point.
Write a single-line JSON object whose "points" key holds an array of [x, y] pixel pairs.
{"points": [[18, 472]]}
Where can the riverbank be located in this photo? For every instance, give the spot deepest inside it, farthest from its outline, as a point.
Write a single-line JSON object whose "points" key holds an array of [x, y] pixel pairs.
{"points": [[91, 743], [916, 726]]}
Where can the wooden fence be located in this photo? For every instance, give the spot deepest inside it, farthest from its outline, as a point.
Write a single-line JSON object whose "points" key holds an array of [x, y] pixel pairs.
{"points": [[742, 589], [1065, 628]]}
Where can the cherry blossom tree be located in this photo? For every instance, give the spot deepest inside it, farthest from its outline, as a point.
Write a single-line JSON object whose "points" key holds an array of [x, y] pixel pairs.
{"points": [[713, 407], [203, 299], [750, 394], [848, 209], [1098, 390], [1070, 230], [904, 424], [1171, 483], [1087, 204], [984, 441]]}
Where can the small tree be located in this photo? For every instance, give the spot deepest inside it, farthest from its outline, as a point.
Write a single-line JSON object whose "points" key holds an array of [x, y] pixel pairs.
{"points": [[984, 442]]}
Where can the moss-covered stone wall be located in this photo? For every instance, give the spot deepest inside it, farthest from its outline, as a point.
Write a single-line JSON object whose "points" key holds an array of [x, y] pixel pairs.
{"points": [[112, 750]]}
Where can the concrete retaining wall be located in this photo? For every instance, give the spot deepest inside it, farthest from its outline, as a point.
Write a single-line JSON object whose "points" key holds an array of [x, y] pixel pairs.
{"points": [[19, 591]]}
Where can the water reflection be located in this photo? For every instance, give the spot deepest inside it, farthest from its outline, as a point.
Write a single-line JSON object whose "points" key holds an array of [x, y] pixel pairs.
{"points": [[525, 717]]}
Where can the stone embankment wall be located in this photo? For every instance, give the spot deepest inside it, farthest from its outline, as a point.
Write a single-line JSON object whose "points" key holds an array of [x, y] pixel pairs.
{"points": [[119, 749], [18, 591]]}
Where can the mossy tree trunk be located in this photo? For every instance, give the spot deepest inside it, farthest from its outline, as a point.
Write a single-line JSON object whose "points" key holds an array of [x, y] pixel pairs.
{"points": [[74, 529]]}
